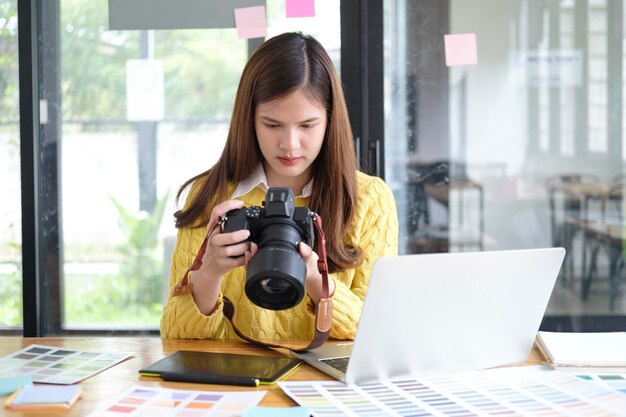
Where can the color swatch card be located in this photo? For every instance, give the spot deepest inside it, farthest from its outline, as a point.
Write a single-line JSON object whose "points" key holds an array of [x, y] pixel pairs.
{"points": [[54, 365], [44, 397], [162, 402], [613, 381], [522, 391]]}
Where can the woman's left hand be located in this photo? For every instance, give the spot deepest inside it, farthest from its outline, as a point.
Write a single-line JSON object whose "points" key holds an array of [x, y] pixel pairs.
{"points": [[313, 276]]}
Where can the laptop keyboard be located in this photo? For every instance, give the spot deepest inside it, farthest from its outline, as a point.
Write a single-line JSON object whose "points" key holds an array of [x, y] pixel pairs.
{"points": [[340, 364]]}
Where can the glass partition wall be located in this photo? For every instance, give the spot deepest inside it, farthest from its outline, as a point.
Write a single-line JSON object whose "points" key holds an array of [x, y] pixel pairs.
{"points": [[523, 149]]}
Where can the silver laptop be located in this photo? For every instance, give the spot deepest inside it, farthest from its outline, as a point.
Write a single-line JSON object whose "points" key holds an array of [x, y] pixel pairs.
{"points": [[444, 313]]}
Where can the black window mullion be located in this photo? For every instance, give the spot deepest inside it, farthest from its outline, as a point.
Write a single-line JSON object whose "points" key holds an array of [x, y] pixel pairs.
{"points": [[362, 74], [40, 150], [50, 142], [29, 165]]}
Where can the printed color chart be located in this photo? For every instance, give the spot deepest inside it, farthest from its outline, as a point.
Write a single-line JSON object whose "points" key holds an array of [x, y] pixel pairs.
{"points": [[613, 381], [148, 401], [523, 391], [54, 365]]}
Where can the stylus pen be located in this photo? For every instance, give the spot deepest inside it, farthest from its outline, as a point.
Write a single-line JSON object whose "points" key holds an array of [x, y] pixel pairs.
{"points": [[210, 379]]}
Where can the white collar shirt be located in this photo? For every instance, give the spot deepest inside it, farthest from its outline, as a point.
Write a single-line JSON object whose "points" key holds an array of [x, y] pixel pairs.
{"points": [[259, 179]]}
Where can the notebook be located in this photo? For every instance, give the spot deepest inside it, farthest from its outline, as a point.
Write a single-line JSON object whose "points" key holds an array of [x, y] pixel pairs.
{"points": [[602, 350], [443, 313], [44, 397]]}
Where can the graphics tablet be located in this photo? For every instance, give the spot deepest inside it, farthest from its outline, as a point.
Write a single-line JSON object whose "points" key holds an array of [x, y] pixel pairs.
{"points": [[221, 368]]}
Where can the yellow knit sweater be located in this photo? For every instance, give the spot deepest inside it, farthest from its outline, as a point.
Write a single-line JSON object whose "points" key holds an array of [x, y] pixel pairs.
{"points": [[374, 230]]}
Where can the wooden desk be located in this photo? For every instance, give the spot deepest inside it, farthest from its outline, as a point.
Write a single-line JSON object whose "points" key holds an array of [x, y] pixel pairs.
{"points": [[110, 383]]}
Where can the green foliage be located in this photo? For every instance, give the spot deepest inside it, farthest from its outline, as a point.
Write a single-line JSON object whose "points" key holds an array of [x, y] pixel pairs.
{"points": [[106, 300], [201, 67], [9, 97], [11, 296], [11, 288], [142, 265], [93, 81], [134, 295]]}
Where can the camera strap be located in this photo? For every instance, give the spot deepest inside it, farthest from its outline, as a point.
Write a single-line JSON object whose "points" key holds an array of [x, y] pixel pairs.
{"points": [[323, 309]]}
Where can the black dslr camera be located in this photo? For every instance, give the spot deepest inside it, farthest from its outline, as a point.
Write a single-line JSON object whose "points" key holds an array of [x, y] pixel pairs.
{"points": [[276, 274]]}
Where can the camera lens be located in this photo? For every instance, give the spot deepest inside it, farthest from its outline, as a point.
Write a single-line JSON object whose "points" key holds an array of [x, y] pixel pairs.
{"points": [[276, 274], [275, 278]]}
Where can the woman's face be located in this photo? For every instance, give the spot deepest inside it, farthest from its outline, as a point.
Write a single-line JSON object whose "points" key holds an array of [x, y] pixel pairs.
{"points": [[290, 132]]}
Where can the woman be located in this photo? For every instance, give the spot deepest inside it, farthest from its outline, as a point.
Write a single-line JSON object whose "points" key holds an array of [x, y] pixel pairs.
{"points": [[289, 128]]}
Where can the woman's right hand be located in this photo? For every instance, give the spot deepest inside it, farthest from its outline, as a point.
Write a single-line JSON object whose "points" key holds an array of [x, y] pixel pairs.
{"points": [[224, 251]]}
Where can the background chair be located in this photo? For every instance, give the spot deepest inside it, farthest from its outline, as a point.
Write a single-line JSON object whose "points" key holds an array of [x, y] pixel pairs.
{"points": [[607, 235], [571, 198], [431, 185]]}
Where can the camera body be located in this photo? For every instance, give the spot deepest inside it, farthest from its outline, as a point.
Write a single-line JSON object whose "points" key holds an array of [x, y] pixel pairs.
{"points": [[276, 274]]}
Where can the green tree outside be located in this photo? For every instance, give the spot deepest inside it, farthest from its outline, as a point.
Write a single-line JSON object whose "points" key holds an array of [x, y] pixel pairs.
{"points": [[202, 67]]}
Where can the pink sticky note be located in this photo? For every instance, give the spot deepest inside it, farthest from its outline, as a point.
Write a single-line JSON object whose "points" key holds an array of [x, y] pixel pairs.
{"points": [[461, 49], [250, 22], [300, 8]]}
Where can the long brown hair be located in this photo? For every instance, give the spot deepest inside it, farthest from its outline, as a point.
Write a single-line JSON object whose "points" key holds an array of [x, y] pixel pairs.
{"points": [[280, 66]]}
